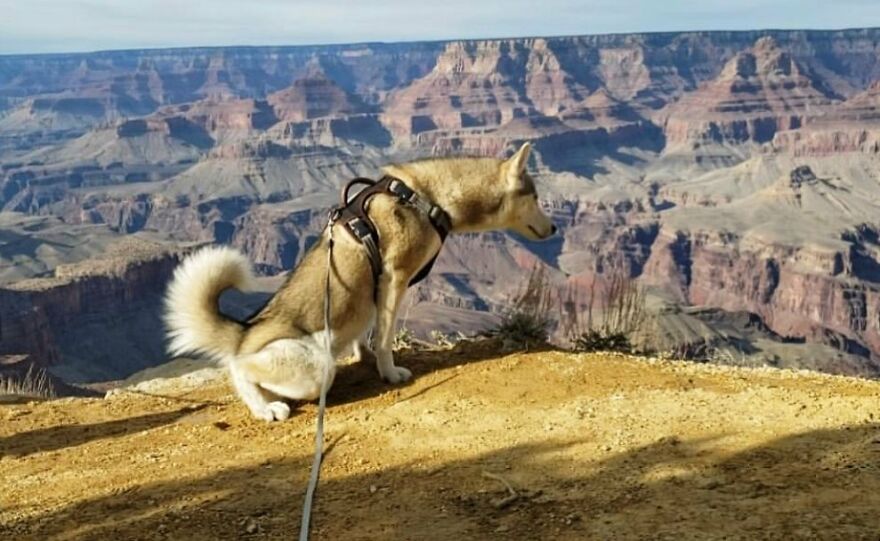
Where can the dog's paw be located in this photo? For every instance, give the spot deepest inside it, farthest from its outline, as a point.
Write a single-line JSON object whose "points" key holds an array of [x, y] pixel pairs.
{"points": [[280, 411], [397, 374], [263, 414], [273, 411]]}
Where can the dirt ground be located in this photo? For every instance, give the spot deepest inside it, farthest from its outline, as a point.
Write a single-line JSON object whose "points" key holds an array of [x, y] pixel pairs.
{"points": [[595, 447]]}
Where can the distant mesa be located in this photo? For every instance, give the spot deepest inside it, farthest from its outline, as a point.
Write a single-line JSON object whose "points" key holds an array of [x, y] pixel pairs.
{"points": [[852, 126], [600, 109], [314, 95], [758, 93], [802, 175], [473, 85], [863, 107], [216, 116]]}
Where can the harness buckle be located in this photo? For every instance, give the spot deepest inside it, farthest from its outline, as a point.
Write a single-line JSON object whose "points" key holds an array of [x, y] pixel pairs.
{"points": [[359, 228], [402, 191]]}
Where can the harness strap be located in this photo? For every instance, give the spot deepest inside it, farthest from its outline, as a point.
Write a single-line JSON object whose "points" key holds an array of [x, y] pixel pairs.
{"points": [[354, 182], [353, 214], [436, 215], [363, 232]]}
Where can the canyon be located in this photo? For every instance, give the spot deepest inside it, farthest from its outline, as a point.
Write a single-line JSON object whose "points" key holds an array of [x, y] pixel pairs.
{"points": [[733, 174]]}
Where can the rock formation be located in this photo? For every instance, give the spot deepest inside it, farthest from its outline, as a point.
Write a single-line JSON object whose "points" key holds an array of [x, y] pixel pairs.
{"points": [[97, 319], [759, 92]]}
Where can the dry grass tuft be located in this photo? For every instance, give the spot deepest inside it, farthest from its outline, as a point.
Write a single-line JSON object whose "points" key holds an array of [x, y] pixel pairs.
{"points": [[530, 318], [615, 315], [35, 383]]}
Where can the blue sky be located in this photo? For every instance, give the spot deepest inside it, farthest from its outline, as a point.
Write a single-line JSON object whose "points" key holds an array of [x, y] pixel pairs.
{"points": [[84, 25]]}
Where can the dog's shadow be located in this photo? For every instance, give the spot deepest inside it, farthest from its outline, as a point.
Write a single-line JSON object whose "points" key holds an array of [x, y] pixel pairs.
{"points": [[360, 380]]}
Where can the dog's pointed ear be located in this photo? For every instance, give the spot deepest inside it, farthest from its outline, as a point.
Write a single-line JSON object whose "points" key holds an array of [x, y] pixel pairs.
{"points": [[520, 160], [517, 163]]}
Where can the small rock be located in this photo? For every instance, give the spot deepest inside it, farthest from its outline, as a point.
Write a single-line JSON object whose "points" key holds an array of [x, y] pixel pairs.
{"points": [[251, 527], [373, 489], [709, 484]]}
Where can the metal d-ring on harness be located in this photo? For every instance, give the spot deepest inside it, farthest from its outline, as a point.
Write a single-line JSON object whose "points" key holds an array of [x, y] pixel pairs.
{"points": [[353, 215]]}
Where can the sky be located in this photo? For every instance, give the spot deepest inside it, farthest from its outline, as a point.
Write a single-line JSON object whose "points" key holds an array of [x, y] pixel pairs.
{"points": [[42, 26]]}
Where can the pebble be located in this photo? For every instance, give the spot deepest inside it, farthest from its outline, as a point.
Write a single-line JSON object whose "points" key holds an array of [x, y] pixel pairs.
{"points": [[709, 484]]}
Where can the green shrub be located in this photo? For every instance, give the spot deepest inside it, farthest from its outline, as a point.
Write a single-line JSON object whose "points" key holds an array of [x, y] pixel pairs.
{"points": [[597, 341]]}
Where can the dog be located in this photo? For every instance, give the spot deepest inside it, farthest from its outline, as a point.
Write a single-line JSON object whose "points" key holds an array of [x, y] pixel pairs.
{"points": [[279, 353]]}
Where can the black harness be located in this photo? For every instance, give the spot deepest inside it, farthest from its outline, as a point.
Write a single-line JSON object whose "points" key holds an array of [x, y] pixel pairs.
{"points": [[352, 213]]}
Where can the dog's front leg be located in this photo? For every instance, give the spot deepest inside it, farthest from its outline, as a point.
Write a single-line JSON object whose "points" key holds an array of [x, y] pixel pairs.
{"points": [[391, 291]]}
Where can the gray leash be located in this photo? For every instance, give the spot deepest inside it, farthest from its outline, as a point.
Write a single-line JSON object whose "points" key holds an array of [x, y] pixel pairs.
{"points": [[322, 400]]}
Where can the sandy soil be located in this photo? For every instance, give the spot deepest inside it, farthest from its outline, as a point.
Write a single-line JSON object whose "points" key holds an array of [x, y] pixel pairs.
{"points": [[595, 447]]}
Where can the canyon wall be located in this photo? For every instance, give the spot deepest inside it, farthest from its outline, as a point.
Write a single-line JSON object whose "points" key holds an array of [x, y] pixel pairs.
{"points": [[94, 320], [726, 170]]}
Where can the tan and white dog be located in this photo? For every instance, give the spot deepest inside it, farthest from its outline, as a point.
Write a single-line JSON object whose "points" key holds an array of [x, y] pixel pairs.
{"points": [[279, 353]]}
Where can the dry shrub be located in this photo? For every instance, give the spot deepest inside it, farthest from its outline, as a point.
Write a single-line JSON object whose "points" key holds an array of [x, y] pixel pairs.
{"points": [[615, 314], [403, 339], [528, 321], [447, 341], [612, 320]]}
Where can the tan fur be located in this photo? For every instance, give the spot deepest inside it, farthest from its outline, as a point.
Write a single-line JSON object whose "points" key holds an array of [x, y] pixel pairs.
{"points": [[478, 193]]}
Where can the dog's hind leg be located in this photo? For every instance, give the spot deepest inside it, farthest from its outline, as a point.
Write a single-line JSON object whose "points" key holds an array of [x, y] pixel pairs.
{"points": [[289, 368], [261, 403], [362, 352], [296, 390]]}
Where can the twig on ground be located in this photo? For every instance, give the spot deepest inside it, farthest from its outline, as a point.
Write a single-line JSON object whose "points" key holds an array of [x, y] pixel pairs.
{"points": [[507, 500]]}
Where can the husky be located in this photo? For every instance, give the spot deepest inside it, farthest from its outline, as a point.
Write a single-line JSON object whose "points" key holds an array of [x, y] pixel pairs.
{"points": [[279, 353]]}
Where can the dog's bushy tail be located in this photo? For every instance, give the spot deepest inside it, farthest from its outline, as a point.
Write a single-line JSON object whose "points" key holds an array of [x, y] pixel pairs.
{"points": [[192, 315]]}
